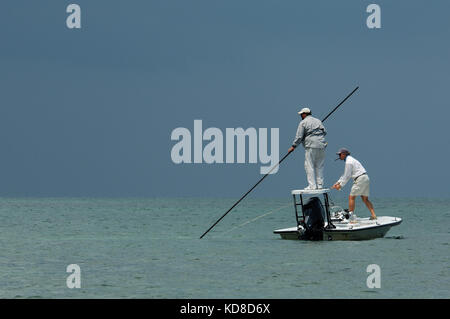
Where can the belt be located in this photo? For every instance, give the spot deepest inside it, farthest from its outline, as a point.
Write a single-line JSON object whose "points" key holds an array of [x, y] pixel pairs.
{"points": [[359, 176]]}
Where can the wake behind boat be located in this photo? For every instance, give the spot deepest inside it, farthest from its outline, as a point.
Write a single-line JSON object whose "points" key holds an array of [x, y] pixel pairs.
{"points": [[321, 221]]}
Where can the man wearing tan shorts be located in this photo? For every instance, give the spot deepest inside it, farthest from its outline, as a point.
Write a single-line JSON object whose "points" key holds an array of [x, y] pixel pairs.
{"points": [[361, 181]]}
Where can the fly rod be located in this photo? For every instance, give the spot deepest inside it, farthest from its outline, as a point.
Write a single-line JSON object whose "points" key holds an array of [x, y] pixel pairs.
{"points": [[248, 192]]}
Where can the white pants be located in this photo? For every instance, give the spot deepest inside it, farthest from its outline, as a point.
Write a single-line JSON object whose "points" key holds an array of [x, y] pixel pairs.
{"points": [[314, 163]]}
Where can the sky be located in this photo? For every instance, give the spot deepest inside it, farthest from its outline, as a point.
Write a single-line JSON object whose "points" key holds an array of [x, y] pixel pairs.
{"points": [[89, 112]]}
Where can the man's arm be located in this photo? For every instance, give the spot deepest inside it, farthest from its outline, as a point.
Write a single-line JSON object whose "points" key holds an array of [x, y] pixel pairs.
{"points": [[345, 177], [299, 136]]}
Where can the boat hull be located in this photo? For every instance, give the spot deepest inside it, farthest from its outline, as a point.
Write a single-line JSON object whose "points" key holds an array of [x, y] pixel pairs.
{"points": [[288, 233], [364, 229], [358, 234]]}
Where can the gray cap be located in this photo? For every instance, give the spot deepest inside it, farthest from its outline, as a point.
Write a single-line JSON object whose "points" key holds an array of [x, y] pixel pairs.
{"points": [[343, 150]]}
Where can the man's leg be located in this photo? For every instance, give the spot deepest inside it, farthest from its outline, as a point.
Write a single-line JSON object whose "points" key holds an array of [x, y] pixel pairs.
{"points": [[309, 168], [351, 203], [369, 205], [319, 165]]}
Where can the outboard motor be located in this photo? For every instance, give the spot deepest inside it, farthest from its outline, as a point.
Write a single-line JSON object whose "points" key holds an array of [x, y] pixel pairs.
{"points": [[314, 219]]}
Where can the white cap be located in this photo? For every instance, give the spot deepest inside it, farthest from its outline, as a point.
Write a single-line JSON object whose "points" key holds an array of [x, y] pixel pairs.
{"points": [[304, 110]]}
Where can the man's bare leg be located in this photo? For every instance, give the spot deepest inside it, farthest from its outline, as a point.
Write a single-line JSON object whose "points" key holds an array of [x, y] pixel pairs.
{"points": [[351, 203], [369, 205]]}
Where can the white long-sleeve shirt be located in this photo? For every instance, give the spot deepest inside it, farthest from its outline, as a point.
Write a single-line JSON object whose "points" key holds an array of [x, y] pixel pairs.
{"points": [[353, 169]]}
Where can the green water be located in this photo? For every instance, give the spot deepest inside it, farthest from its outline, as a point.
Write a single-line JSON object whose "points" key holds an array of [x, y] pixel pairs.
{"points": [[150, 248]]}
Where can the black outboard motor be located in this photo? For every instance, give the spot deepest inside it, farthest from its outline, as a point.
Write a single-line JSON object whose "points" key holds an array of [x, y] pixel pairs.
{"points": [[314, 219]]}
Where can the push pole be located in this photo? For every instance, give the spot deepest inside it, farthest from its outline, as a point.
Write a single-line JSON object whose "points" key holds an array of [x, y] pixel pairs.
{"points": [[248, 192]]}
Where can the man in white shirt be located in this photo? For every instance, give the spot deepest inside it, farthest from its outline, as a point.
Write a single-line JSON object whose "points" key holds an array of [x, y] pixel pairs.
{"points": [[311, 133], [360, 187]]}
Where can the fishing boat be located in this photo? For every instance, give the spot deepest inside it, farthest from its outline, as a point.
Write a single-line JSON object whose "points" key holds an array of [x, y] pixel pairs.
{"points": [[322, 221]]}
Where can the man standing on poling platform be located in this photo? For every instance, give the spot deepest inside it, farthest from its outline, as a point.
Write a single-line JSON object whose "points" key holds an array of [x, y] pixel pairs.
{"points": [[311, 133]]}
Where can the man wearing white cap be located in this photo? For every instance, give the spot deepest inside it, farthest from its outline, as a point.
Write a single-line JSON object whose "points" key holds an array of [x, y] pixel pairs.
{"points": [[311, 133], [354, 170]]}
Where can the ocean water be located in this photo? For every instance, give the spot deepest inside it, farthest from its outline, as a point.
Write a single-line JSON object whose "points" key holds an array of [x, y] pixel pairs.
{"points": [[150, 248]]}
